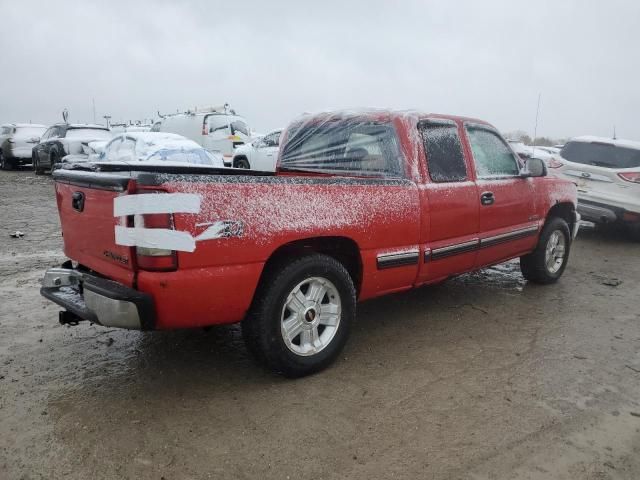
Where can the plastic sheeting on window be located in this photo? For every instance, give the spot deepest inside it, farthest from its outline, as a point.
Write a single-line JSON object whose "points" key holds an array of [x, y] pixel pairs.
{"points": [[343, 143]]}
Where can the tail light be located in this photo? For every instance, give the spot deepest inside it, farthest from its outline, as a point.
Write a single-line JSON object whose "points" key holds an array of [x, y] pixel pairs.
{"points": [[554, 163], [155, 259], [633, 177]]}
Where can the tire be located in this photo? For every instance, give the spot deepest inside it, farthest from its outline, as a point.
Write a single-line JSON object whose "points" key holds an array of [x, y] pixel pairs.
{"points": [[547, 262], [36, 165], [634, 232], [5, 163], [53, 161], [301, 352], [242, 163]]}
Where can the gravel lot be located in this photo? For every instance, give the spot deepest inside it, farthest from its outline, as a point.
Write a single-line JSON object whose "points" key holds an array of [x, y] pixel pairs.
{"points": [[482, 377]]}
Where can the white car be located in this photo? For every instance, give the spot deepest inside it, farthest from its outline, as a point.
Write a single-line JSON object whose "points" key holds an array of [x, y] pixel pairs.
{"points": [[216, 129], [527, 151], [607, 173], [16, 142], [166, 149], [261, 154]]}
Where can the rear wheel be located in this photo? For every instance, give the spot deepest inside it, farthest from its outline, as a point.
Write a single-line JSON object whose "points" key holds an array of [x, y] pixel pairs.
{"points": [[5, 163], [634, 232], [547, 262], [241, 163], [301, 317]]}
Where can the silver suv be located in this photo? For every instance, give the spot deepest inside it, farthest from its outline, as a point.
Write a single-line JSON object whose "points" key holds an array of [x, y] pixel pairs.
{"points": [[16, 142]]}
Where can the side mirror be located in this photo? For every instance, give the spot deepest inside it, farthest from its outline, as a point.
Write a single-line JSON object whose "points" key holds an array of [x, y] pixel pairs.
{"points": [[534, 167]]}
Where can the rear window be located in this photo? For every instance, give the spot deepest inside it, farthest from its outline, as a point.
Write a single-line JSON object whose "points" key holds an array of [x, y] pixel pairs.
{"points": [[195, 156], [601, 155], [30, 131], [92, 133], [343, 147]]}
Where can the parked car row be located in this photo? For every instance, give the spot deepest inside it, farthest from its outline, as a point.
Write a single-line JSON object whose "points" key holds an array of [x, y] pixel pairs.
{"points": [[217, 130]]}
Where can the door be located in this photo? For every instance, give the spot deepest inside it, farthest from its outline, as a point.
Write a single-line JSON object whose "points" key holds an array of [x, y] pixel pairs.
{"points": [[508, 222], [45, 155], [449, 203], [40, 148]]}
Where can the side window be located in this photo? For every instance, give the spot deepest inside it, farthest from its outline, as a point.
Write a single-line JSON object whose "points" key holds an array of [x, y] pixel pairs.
{"points": [[492, 155], [445, 160], [47, 134], [156, 127], [272, 140], [351, 147], [5, 131], [57, 132], [127, 150], [239, 127], [111, 150]]}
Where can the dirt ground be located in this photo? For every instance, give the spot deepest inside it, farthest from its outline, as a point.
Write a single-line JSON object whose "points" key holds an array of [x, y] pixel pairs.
{"points": [[482, 377]]}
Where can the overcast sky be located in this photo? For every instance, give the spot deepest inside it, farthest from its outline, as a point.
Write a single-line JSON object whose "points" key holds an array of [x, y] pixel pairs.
{"points": [[273, 60]]}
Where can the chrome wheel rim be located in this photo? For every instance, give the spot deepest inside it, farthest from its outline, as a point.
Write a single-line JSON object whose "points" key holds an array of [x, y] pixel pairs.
{"points": [[555, 251], [310, 317]]}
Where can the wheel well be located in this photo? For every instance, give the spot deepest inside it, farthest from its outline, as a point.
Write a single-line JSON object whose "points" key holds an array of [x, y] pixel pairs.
{"points": [[343, 249], [240, 157], [566, 211]]}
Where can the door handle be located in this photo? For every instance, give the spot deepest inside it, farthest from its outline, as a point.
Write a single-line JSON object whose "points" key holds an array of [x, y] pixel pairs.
{"points": [[487, 198]]}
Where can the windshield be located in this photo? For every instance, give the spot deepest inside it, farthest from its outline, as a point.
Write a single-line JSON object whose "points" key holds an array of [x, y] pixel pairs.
{"points": [[197, 156], [601, 155], [92, 133]]}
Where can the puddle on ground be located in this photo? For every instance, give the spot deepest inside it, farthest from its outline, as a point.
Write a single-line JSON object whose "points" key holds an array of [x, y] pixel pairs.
{"points": [[505, 276]]}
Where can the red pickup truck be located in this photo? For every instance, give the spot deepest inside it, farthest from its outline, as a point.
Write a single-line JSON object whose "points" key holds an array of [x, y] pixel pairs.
{"points": [[362, 204]]}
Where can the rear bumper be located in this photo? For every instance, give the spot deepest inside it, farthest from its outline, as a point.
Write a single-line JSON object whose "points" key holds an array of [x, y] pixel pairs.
{"points": [[99, 300], [576, 226], [602, 213], [20, 153]]}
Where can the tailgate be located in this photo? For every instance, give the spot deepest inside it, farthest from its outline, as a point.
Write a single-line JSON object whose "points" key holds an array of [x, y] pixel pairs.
{"points": [[85, 205]]}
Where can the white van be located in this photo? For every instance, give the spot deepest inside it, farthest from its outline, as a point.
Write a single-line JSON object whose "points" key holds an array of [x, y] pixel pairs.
{"points": [[216, 130]]}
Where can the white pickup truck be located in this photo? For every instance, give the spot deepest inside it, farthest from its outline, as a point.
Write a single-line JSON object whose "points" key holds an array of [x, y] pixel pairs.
{"points": [[261, 154]]}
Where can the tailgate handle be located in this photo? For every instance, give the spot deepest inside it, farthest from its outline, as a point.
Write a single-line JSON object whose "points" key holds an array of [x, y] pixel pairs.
{"points": [[77, 201]]}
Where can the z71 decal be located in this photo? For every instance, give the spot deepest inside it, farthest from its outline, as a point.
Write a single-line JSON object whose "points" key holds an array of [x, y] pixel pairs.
{"points": [[165, 238]]}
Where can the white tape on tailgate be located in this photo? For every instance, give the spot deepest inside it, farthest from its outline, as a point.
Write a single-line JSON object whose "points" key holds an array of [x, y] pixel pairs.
{"points": [[148, 203], [155, 238]]}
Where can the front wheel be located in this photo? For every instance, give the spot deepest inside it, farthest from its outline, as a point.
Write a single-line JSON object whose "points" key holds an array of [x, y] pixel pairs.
{"points": [[36, 165], [301, 317], [242, 163], [547, 262]]}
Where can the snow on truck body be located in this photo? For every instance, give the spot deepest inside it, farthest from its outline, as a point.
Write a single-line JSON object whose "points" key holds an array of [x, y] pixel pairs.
{"points": [[361, 204]]}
